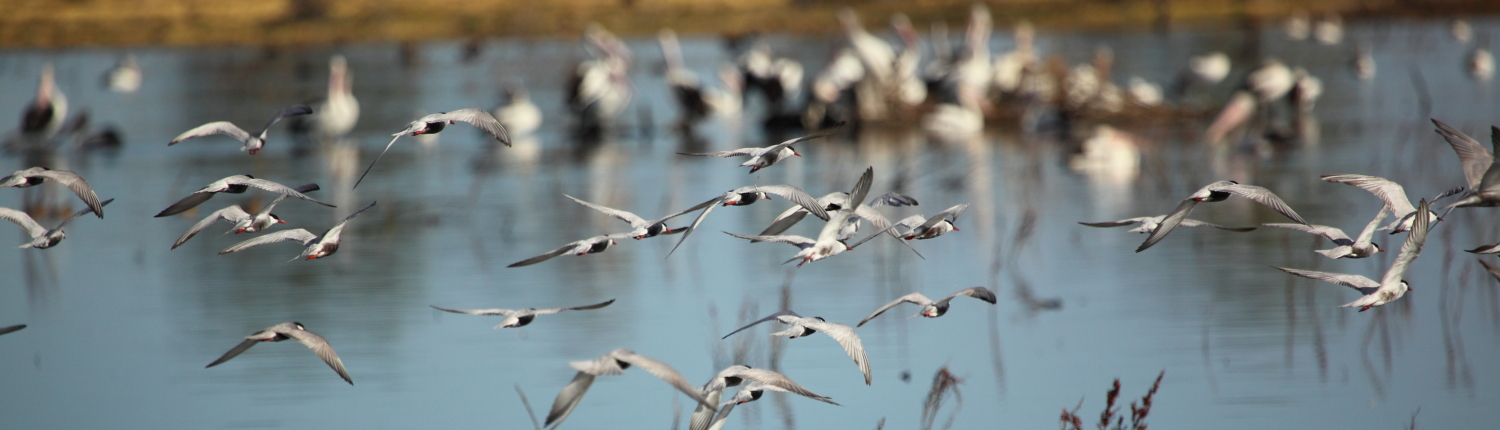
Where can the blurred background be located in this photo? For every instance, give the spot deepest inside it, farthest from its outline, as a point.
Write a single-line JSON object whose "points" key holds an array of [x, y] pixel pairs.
{"points": [[1038, 114]]}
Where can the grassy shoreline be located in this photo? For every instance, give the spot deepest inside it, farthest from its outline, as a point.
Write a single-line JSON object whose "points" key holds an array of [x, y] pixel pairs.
{"points": [[67, 23]]}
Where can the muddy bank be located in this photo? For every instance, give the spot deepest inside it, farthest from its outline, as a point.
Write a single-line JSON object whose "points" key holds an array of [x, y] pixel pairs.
{"points": [[60, 23]]}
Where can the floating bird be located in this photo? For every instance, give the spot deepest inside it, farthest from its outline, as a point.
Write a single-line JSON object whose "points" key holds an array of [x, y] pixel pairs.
{"points": [[600, 89], [11, 329], [1481, 63], [643, 228], [802, 327], [290, 330], [755, 382], [593, 245], [236, 184], [517, 113], [521, 317], [1482, 173], [1356, 248], [432, 124], [125, 77], [1390, 287], [36, 175], [244, 222], [917, 227], [317, 246], [744, 196], [1392, 194], [337, 113], [615, 363], [1217, 192], [763, 157], [930, 308], [253, 142], [46, 112], [1149, 224], [41, 237]]}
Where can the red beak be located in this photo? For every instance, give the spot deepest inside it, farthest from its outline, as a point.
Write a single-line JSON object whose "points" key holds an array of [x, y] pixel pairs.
{"points": [[797, 154], [253, 151], [284, 222], [311, 257], [955, 228], [239, 230]]}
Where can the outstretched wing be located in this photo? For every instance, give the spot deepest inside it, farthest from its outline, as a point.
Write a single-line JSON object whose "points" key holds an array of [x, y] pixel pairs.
{"points": [[1386, 190], [546, 256], [1169, 223], [292, 110], [1120, 223], [212, 128], [847, 339], [277, 188], [1332, 233], [767, 318], [825, 133], [233, 213], [377, 159], [708, 207], [478, 118], [33, 229], [338, 229], [1265, 197], [730, 153], [1357, 282], [633, 219], [980, 293], [1412, 247], [954, 212], [479, 312], [79, 187], [321, 347], [547, 311], [796, 195], [568, 398], [82, 212], [298, 235], [916, 298], [666, 373], [1471, 155], [1196, 223], [797, 241]]}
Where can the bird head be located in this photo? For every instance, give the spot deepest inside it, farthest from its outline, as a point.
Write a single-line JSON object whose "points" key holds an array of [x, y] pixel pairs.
{"points": [[278, 219], [299, 326]]}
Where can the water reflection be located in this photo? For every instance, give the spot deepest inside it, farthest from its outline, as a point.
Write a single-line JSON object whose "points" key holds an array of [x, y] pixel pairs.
{"points": [[451, 215]]}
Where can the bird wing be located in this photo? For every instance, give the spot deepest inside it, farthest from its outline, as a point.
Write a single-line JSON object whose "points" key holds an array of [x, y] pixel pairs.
{"points": [[546, 256], [547, 311], [730, 153], [78, 185], [1197, 223], [797, 241], [478, 118], [82, 212], [786, 220], [1412, 247], [234, 352], [860, 190], [767, 318], [299, 235], [233, 214], [878, 219], [1265, 197], [665, 372], [1357, 282], [288, 111], [377, 159], [1368, 234], [1473, 157], [915, 298], [479, 312], [708, 207], [703, 416], [1491, 178], [13, 328], [321, 347], [825, 133], [796, 195], [527, 403], [277, 188], [1494, 271], [212, 128], [1120, 223], [568, 398], [338, 229], [1168, 223], [1332, 233], [892, 199], [633, 219], [1384, 189], [772, 380], [954, 212], [189, 202], [304, 188], [846, 338], [22, 219], [980, 293]]}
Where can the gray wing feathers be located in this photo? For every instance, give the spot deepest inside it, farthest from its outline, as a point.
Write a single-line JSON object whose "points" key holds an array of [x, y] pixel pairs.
{"points": [[1412, 247], [767, 318], [232, 214], [1168, 223], [1265, 197], [298, 235], [847, 339], [212, 128], [79, 187], [1474, 158], [797, 241], [634, 220], [278, 188], [665, 373], [568, 398], [1362, 284], [1384, 189], [321, 347], [916, 298], [22, 219], [478, 118]]}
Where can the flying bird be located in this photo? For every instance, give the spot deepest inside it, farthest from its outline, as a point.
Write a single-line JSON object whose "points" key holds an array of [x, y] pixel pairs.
{"points": [[41, 237], [916, 227], [290, 330], [828, 242], [253, 142], [593, 245], [1149, 224], [1347, 248], [614, 363], [432, 124], [244, 222], [802, 327], [236, 184], [1480, 169], [930, 308], [521, 317], [1392, 194], [317, 246], [643, 228], [1391, 286], [755, 382], [744, 196], [838, 200], [1218, 192], [763, 157], [36, 175]]}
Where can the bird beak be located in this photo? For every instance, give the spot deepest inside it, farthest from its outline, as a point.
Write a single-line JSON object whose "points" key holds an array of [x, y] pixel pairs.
{"points": [[238, 231], [253, 151], [955, 228], [311, 257], [848, 248], [797, 154], [284, 222]]}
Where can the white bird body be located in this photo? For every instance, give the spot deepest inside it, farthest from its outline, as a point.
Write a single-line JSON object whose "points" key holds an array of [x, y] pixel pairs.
{"points": [[1390, 287]]}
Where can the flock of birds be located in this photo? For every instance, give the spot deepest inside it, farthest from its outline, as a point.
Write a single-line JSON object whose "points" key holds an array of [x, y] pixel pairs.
{"points": [[867, 80]]}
